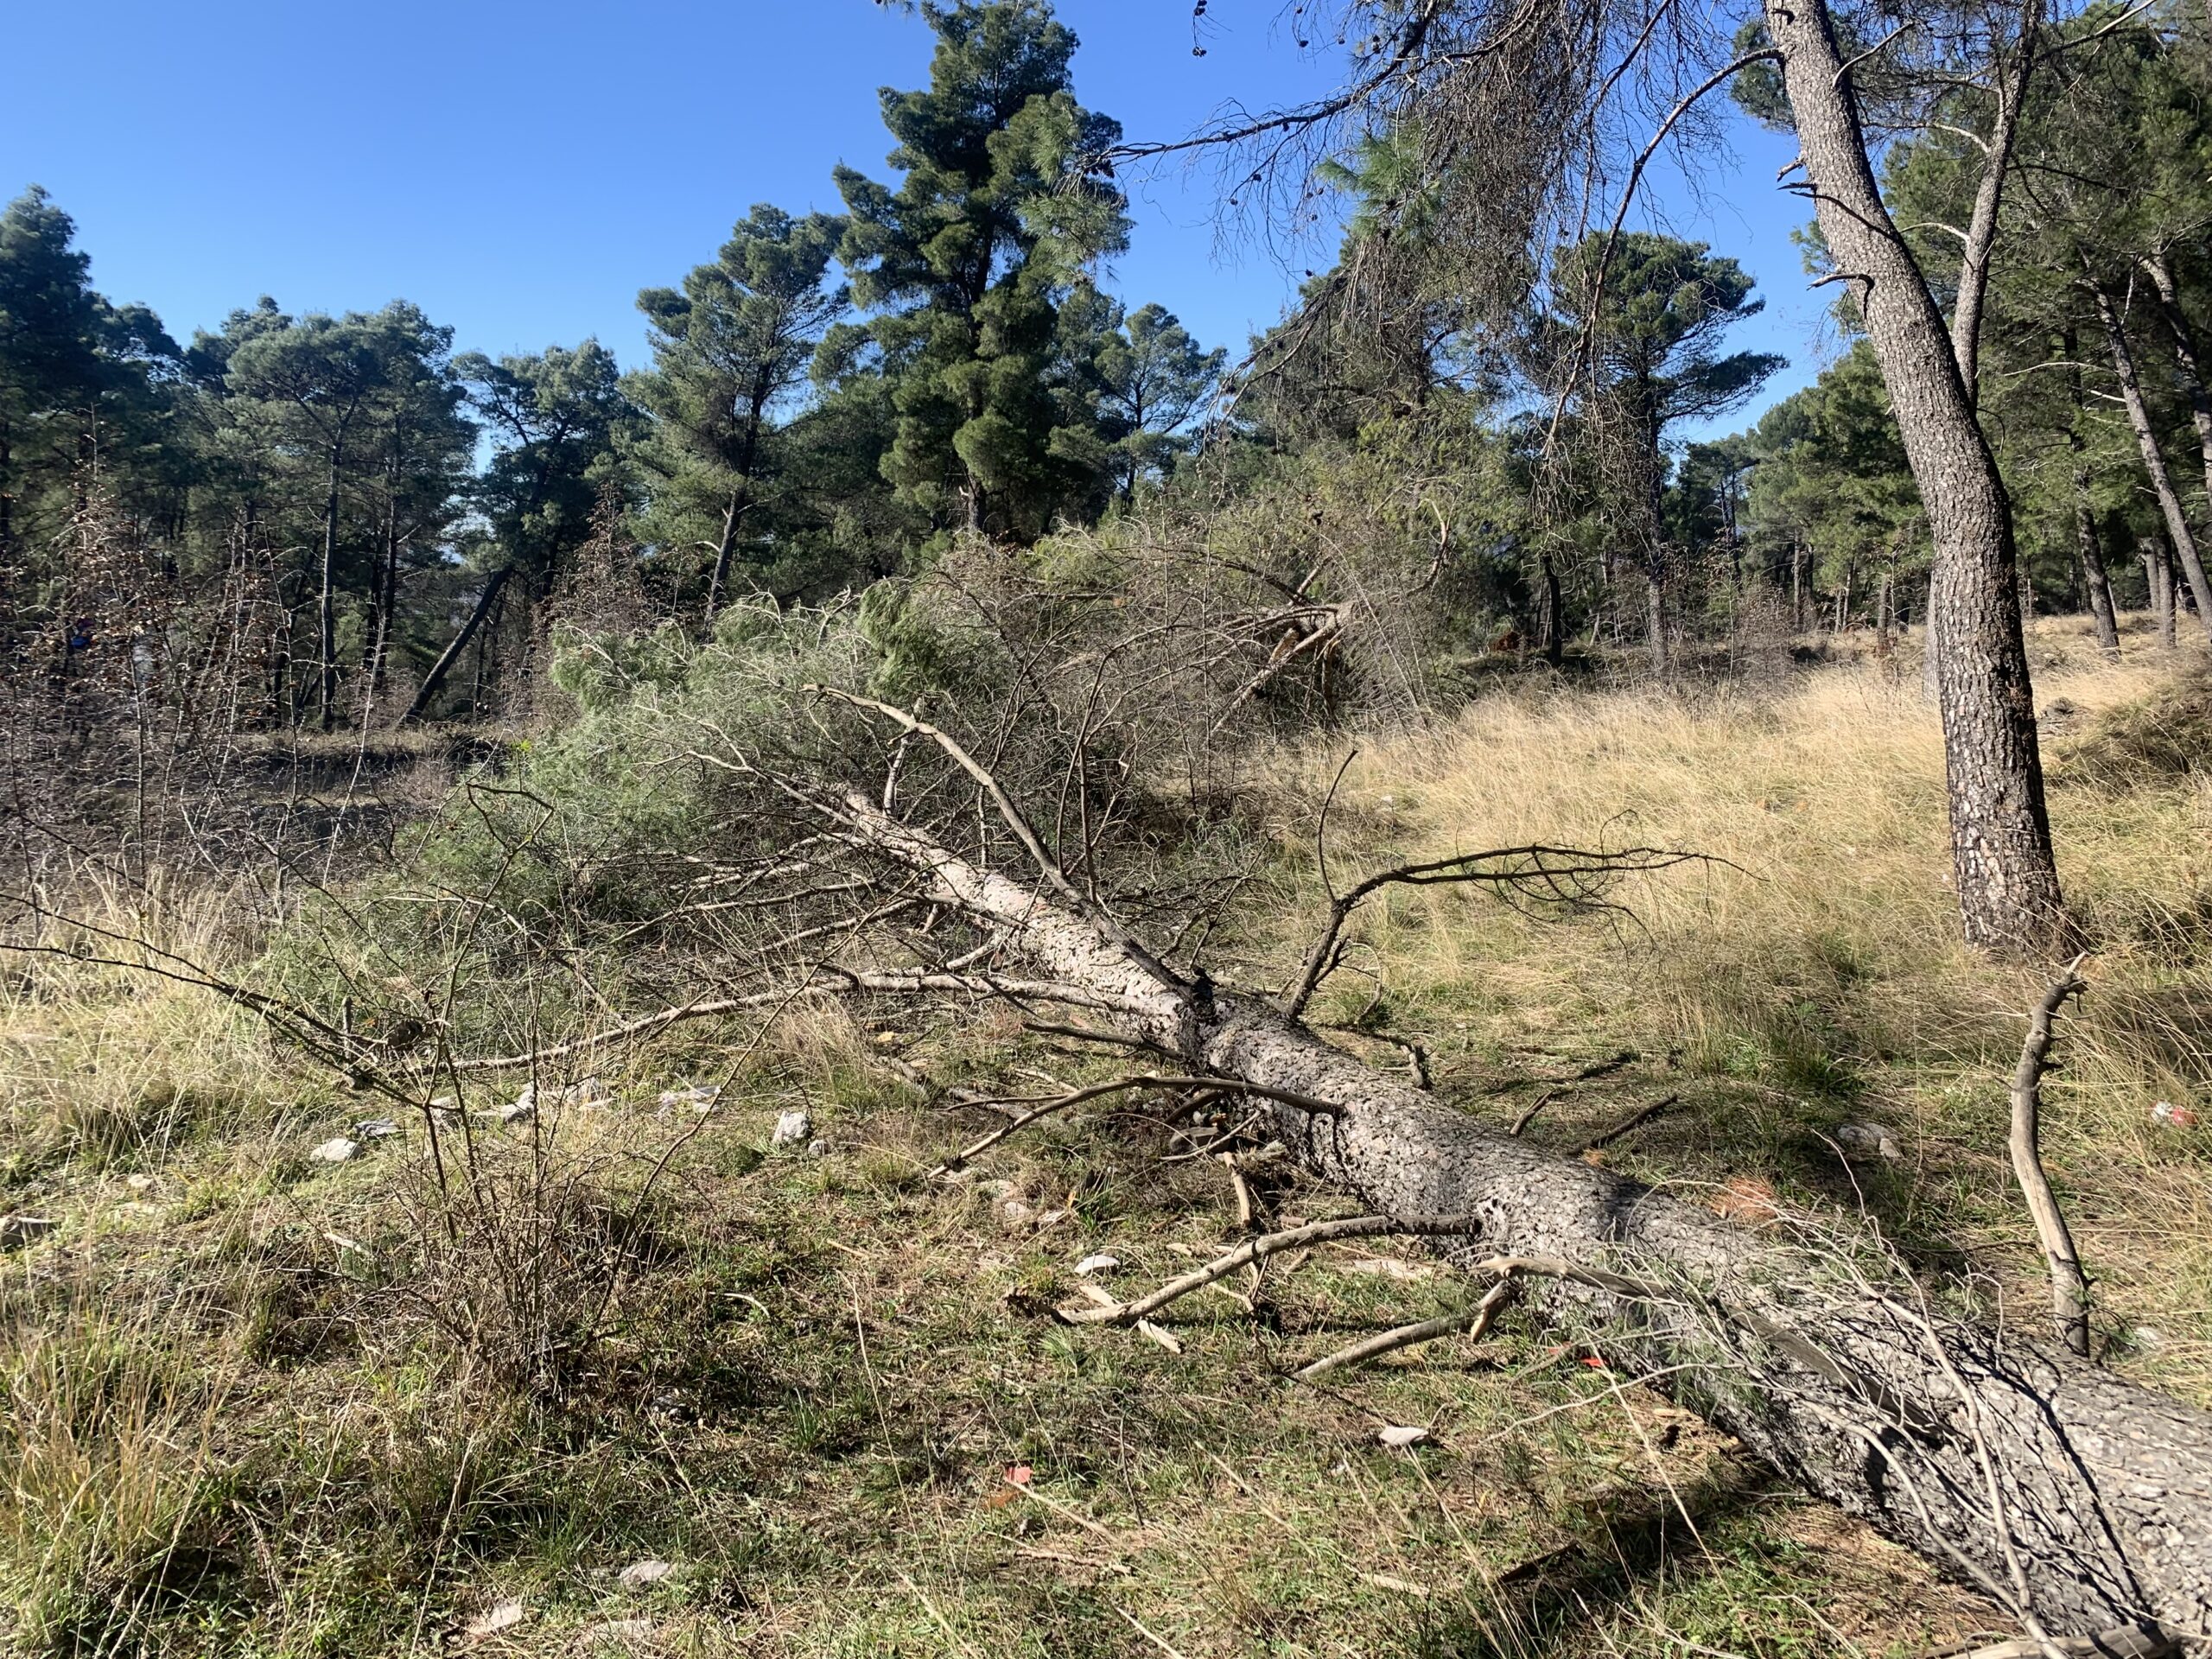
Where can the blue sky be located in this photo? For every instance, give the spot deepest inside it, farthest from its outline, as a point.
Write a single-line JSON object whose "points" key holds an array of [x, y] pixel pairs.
{"points": [[521, 170]]}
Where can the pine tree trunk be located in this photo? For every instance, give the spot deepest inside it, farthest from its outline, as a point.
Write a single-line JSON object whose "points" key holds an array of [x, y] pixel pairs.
{"points": [[428, 693], [2154, 462], [2092, 568], [2185, 360], [1555, 617], [2158, 577], [2007, 878], [326, 605], [1655, 612], [2098, 1483]]}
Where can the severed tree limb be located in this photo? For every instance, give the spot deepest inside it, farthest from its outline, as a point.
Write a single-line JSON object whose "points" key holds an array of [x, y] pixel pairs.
{"points": [[1258, 1249], [2069, 1288], [1528, 1114], [1473, 1321]]}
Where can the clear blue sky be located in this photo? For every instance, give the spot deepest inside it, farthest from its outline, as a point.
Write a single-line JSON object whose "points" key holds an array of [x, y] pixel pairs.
{"points": [[521, 170]]}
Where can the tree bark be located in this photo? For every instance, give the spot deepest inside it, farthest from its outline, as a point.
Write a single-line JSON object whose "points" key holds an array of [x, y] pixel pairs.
{"points": [[326, 613], [1890, 1408], [2158, 577], [2092, 568], [428, 692], [2185, 359], [2007, 879], [1555, 617], [2154, 462]]}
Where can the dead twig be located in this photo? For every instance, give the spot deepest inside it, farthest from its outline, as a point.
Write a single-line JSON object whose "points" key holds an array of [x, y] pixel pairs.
{"points": [[1528, 1115], [1642, 1115], [1259, 1248], [1473, 1321], [2069, 1289]]}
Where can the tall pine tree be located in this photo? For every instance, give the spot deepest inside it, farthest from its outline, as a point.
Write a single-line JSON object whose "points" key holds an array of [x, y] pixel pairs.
{"points": [[968, 261]]}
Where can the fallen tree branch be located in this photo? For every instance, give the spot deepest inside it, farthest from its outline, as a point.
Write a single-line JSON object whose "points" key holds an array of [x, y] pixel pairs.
{"points": [[2069, 1288], [1076, 1097], [2104, 1481], [1570, 878], [1473, 1321], [1642, 1115]]}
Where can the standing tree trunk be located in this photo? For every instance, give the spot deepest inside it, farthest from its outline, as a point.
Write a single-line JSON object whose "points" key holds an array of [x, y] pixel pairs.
{"points": [[325, 607], [2185, 361], [2086, 544], [2007, 878], [2158, 577], [1555, 617], [2154, 462]]}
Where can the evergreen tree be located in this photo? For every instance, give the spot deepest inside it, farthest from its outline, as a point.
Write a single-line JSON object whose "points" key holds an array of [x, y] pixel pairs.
{"points": [[728, 347], [555, 417], [1153, 382], [969, 261], [1652, 312]]}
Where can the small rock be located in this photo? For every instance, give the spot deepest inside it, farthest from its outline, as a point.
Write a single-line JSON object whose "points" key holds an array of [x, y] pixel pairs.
{"points": [[1100, 1263], [139, 1183], [1015, 1213], [818, 1148], [792, 1128], [17, 1231], [1871, 1138], [499, 1616], [335, 1151], [520, 1111], [2149, 1336], [699, 1096], [2173, 1116], [1400, 1436], [640, 1574], [376, 1128]]}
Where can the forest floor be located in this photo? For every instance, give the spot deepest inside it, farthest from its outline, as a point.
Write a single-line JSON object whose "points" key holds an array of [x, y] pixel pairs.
{"points": [[262, 1405]]}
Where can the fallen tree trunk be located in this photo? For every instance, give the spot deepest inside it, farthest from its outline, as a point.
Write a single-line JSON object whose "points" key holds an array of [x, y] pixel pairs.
{"points": [[2077, 1499]]}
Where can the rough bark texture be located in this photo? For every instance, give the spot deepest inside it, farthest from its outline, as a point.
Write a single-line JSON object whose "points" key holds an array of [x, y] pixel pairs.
{"points": [[2008, 887], [2106, 1488], [2154, 462]]}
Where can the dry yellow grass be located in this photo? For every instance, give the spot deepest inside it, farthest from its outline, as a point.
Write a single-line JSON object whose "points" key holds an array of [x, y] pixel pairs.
{"points": [[1814, 969]]}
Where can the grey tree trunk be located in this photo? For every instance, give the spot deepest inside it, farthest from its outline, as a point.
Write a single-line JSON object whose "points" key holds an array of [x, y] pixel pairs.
{"points": [[1555, 617], [2007, 879], [2154, 462], [2185, 359], [326, 604], [1944, 1435], [2158, 577], [427, 693]]}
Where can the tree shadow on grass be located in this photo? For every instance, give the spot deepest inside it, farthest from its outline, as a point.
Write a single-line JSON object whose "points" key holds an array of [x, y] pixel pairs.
{"points": [[1549, 1604]]}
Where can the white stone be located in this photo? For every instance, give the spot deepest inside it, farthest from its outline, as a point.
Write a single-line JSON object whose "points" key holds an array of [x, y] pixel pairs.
{"points": [[701, 1097], [499, 1616], [792, 1128], [1099, 1263], [376, 1128], [1401, 1436], [639, 1574], [1870, 1138], [335, 1151]]}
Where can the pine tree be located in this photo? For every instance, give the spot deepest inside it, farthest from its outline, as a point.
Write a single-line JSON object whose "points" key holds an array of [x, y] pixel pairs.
{"points": [[968, 263], [728, 347]]}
